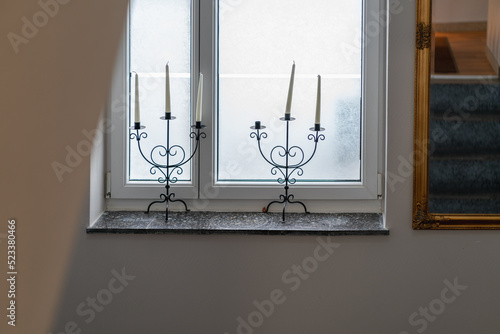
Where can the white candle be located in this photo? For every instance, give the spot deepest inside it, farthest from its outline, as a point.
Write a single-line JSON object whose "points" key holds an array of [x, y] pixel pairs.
{"points": [[318, 101], [290, 91], [167, 90], [200, 98], [137, 111]]}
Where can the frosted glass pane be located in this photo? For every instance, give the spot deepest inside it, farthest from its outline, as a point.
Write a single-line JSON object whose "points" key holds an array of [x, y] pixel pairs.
{"points": [[258, 42], [160, 32], [265, 36], [152, 97]]}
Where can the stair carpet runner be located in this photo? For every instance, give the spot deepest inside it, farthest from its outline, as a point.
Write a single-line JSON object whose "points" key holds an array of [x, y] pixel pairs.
{"points": [[464, 161]]}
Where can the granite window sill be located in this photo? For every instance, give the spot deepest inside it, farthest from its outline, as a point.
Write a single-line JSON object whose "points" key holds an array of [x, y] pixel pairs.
{"points": [[240, 223]]}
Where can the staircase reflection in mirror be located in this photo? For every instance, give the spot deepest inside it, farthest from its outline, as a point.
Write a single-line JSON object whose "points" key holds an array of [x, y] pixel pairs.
{"points": [[464, 156]]}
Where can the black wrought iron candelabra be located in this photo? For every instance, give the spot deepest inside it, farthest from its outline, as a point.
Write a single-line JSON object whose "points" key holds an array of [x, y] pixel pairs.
{"points": [[168, 170], [287, 153]]}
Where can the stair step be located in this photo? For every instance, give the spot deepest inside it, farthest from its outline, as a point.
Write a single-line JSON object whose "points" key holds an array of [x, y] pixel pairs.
{"points": [[455, 117], [457, 176], [470, 205], [467, 136], [465, 97], [463, 155]]}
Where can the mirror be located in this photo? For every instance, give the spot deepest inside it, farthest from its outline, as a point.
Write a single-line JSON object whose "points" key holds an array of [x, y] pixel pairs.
{"points": [[456, 180]]}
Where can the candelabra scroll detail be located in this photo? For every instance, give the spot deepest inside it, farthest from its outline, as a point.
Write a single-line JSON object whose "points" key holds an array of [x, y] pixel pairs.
{"points": [[295, 159], [169, 171]]}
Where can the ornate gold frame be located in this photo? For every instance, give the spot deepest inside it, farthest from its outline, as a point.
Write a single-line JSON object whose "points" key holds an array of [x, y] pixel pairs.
{"points": [[422, 218]]}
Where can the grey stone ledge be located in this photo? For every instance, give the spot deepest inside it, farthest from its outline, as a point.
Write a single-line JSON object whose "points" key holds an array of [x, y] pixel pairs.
{"points": [[196, 222]]}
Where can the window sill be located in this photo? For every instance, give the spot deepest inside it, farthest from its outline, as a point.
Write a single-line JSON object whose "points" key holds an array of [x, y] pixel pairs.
{"points": [[196, 222]]}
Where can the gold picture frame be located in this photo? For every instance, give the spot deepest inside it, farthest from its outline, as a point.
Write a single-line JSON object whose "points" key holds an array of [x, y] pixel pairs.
{"points": [[422, 218]]}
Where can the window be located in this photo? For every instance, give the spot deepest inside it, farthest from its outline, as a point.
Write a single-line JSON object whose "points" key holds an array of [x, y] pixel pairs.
{"points": [[245, 50], [159, 30]]}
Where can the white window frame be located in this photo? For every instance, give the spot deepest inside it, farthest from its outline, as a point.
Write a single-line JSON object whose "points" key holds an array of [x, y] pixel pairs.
{"points": [[203, 185], [119, 108]]}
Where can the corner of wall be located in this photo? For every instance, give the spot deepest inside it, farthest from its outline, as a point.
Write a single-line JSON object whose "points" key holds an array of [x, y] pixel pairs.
{"points": [[97, 203]]}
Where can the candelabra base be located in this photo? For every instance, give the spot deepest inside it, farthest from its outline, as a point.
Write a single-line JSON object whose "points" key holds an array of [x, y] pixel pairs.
{"points": [[167, 198], [285, 199]]}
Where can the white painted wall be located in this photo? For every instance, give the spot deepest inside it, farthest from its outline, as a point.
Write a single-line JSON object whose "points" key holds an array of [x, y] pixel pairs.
{"points": [[55, 87], [452, 11], [493, 36]]}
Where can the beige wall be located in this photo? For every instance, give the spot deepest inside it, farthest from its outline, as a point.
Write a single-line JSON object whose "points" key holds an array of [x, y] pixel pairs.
{"points": [[454, 11], [493, 37], [55, 88]]}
